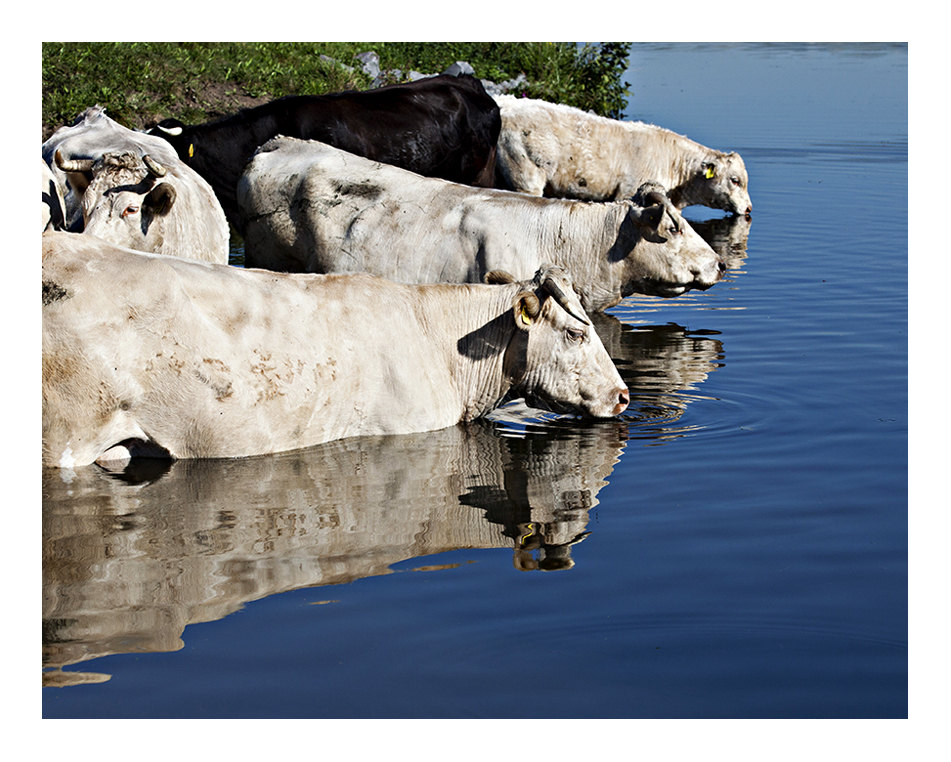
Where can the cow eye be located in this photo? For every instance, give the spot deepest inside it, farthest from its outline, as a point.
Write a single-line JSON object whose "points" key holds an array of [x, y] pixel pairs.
{"points": [[574, 334], [735, 181], [130, 210]]}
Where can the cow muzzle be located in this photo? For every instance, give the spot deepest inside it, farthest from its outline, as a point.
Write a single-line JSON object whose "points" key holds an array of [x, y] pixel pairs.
{"points": [[623, 400]]}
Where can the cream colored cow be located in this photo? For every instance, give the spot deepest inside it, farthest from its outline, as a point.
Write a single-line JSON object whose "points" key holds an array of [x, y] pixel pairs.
{"points": [[311, 207], [132, 190], [549, 149], [145, 354]]}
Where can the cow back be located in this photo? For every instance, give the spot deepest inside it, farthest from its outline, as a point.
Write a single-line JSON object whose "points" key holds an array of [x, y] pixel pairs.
{"points": [[443, 126]]}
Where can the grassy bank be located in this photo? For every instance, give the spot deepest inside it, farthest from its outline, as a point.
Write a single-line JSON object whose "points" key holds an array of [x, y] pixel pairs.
{"points": [[141, 83]]}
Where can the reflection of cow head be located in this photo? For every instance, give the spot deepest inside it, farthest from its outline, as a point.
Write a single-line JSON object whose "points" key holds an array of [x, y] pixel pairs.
{"points": [[125, 198], [536, 549], [728, 236]]}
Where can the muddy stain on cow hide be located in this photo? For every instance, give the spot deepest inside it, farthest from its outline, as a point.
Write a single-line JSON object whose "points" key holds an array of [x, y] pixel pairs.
{"points": [[364, 189], [53, 292]]}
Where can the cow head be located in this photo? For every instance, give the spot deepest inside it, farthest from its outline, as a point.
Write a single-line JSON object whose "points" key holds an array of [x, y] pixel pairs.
{"points": [[719, 181], [662, 254], [126, 199], [557, 360]]}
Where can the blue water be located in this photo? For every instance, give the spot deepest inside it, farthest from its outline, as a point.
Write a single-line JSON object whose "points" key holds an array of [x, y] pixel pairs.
{"points": [[736, 546]]}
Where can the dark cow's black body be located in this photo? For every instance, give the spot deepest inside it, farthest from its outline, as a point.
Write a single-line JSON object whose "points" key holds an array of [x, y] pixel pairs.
{"points": [[444, 126]]}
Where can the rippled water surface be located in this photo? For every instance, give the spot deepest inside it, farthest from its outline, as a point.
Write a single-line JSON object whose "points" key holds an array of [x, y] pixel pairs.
{"points": [[734, 546]]}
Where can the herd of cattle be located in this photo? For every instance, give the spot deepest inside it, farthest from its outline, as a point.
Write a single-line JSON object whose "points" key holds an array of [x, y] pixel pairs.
{"points": [[414, 255]]}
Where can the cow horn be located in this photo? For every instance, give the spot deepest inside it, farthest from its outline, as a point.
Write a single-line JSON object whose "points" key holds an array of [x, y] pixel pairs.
{"points": [[552, 283], [72, 165], [651, 193], [153, 166], [674, 214]]}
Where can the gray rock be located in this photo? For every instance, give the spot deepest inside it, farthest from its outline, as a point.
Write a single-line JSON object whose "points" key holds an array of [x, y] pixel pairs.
{"points": [[493, 88], [371, 63], [459, 68]]}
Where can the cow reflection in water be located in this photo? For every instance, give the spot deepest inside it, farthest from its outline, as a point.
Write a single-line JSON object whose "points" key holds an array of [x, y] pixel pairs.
{"points": [[663, 367], [132, 557], [129, 561], [728, 237], [540, 508]]}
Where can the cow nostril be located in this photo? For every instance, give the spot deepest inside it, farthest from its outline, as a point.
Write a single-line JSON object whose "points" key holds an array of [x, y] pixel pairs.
{"points": [[721, 266], [624, 398]]}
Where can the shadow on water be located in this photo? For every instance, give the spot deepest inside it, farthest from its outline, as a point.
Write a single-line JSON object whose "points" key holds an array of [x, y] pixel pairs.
{"points": [[130, 558]]}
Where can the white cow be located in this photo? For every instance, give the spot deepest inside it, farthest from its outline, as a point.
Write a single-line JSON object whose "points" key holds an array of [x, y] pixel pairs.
{"points": [[311, 207], [54, 206], [145, 354], [556, 150], [132, 190]]}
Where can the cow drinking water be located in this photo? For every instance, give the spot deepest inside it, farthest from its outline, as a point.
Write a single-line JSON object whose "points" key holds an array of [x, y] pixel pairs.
{"points": [[549, 149], [311, 207], [145, 354]]}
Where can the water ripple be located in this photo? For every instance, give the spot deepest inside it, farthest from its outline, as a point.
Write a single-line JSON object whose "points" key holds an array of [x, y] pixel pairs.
{"points": [[698, 627]]}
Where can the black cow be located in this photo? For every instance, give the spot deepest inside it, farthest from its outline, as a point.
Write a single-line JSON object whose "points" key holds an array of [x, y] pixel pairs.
{"points": [[444, 126]]}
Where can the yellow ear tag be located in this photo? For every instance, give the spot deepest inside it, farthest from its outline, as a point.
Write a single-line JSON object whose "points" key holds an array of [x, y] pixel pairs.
{"points": [[191, 150], [529, 533], [526, 318], [709, 173]]}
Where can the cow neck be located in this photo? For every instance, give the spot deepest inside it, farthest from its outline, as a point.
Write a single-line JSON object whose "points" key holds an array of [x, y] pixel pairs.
{"points": [[685, 163], [668, 156], [480, 351], [601, 267]]}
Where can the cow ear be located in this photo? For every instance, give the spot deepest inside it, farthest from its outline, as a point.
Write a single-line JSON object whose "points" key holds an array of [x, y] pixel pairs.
{"points": [[651, 216], [648, 222], [161, 198], [527, 308], [709, 170]]}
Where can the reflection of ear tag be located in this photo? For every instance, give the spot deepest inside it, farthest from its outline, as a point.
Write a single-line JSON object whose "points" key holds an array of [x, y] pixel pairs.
{"points": [[191, 152], [710, 172], [526, 318]]}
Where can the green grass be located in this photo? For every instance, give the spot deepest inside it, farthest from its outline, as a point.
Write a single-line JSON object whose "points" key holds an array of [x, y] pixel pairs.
{"points": [[140, 83]]}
